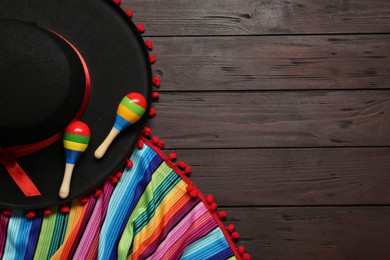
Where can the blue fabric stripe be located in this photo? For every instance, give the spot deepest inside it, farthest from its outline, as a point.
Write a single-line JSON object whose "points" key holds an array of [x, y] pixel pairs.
{"points": [[211, 246], [34, 235], [17, 239], [124, 198]]}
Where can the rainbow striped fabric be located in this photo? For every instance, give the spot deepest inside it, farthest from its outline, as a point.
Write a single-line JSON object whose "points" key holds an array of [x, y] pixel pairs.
{"points": [[148, 214]]}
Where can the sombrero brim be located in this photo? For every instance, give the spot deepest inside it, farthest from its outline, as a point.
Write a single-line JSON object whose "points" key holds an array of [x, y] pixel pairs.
{"points": [[118, 63]]}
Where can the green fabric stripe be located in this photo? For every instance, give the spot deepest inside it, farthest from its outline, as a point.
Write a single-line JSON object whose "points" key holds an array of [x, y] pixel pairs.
{"points": [[159, 195], [76, 138], [138, 110], [43, 246], [56, 238], [158, 177], [64, 227]]}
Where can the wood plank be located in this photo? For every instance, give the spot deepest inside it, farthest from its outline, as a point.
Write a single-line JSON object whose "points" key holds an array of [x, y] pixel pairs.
{"points": [[313, 233], [273, 119], [249, 17], [273, 63], [268, 177]]}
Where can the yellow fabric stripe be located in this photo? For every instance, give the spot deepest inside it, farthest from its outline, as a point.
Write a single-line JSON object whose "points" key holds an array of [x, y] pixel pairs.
{"points": [[127, 114], [75, 146], [74, 216]]}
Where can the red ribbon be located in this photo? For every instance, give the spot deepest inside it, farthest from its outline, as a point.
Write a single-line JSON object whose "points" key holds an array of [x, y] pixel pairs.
{"points": [[8, 155]]}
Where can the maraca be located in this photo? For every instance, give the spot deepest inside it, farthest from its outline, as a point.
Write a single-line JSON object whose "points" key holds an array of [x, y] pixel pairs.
{"points": [[130, 110], [76, 140]]}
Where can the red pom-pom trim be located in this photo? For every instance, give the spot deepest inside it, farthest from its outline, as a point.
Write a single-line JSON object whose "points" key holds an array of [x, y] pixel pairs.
{"points": [[65, 209], [119, 175], [155, 140], [193, 194], [31, 214], [47, 212], [141, 28], [152, 58], [214, 206], [246, 256], [140, 144], [235, 235], [84, 200], [181, 165], [118, 2], [156, 81], [129, 13], [241, 250], [209, 198], [152, 112], [147, 131], [230, 228], [161, 144], [189, 188], [97, 193], [7, 213], [155, 95], [129, 163], [172, 156], [222, 214], [149, 44], [187, 170], [114, 180]]}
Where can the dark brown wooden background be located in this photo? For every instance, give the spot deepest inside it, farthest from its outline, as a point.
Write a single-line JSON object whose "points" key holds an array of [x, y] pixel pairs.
{"points": [[282, 108]]}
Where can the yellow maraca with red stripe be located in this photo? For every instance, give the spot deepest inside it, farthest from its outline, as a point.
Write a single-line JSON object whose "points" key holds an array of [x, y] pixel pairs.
{"points": [[76, 140], [131, 108]]}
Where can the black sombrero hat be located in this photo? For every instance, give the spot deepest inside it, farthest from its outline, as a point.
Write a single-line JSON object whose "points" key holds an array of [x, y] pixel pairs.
{"points": [[62, 61]]}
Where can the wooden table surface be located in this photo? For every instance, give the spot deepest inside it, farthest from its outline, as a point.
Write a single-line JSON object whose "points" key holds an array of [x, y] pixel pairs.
{"points": [[282, 110]]}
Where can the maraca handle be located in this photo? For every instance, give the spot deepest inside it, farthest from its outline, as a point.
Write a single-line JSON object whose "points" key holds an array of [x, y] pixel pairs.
{"points": [[64, 190], [99, 153]]}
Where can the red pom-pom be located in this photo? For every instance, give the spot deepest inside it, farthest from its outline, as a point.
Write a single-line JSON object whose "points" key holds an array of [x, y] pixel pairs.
{"points": [[246, 256], [181, 165], [235, 235], [118, 2], [155, 95], [147, 131], [222, 214], [152, 58], [114, 180], [209, 198], [156, 81], [129, 13], [149, 44], [155, 140], [187, 170], [193, 194], [141, 28], [129, 163], [241, 250], [189, 188], [172, 156], [230, 228], [140, 144], [214, 206], [47, 212], [152, 112], [118, 175], [97, 193], [84, 200], [7, 213], [65, 209], [30, 214], [161, 144]]}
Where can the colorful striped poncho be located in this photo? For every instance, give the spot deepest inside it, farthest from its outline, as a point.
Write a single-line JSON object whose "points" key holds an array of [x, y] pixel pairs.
{"points": [[153, 212]]}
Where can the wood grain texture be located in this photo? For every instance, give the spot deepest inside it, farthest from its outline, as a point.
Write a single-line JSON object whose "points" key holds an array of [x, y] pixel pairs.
{"points": [[274, 119], [273, 63], [253, 17], [280, 177], [313, 233]]}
